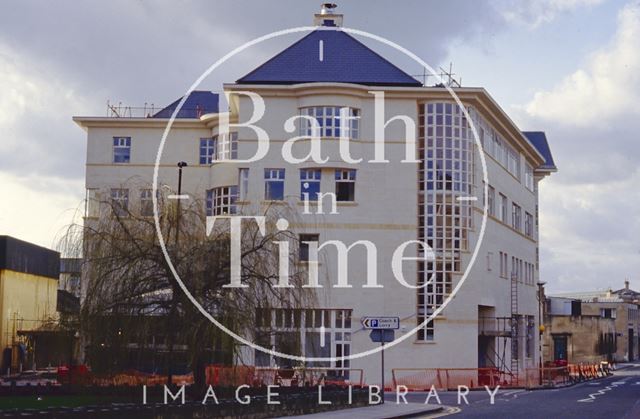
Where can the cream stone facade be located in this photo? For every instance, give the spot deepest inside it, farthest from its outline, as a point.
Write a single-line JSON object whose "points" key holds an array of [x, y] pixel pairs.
{"points": [[390, 204]]}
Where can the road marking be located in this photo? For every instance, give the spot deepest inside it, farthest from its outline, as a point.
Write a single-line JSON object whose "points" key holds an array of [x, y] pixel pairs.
{"points": [[592, 397], [446, 411]]}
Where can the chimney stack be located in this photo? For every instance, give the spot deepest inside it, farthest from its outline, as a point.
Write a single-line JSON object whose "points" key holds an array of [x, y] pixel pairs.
{"points": [[327, 16], [626, 284]]}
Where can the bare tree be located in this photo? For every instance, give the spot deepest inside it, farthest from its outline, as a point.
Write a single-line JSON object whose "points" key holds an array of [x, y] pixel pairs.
{"points": [[132, 305]]}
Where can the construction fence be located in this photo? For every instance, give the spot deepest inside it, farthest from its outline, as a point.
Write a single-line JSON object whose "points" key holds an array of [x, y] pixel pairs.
{"points": [[422, 379], [286, 377]]}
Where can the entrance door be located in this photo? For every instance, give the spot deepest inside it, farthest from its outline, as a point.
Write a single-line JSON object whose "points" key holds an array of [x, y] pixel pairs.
{"points": [[631, 342], [560, 348]]}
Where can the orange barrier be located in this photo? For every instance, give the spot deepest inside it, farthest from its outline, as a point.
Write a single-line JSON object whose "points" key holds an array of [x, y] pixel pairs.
{"points": [[136, 378], [218, 375], [572, 373], [422, 379]]}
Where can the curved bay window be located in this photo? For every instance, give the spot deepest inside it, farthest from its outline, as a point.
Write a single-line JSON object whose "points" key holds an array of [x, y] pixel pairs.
{"points": [[445, 174], [222, 201], [333, 121]]}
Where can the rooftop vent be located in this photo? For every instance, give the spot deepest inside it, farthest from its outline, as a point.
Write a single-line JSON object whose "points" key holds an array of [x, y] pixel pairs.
{"points": [[327, 16]]}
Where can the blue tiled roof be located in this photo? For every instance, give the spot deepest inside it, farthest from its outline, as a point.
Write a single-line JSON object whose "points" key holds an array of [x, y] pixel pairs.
{"points": [[539, 141], [344, 60], [198, 103]]}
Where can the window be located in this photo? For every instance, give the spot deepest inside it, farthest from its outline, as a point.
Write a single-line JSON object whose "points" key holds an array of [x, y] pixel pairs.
{"points": [[146, 202], [530, 337], [445, 147], [121, 149], [513, 161], [333, 121], [227, 147], [489, 260], [491, 201], [345, 185], [303, 254], [207, 150], [310, 184], [503, 208], [528, 224], [608, 313], [243, 184], [503, 265], [274, 184], [528, 176], [222, 201], [120, 201], [516, 216], [93, 203]]}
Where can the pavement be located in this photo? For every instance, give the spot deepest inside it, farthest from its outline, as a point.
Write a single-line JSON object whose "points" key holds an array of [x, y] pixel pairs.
{"points": [[389, 410]]}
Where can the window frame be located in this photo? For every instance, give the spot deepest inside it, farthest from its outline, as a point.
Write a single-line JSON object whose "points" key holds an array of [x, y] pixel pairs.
{"points": [[280, 175], [350, 179], [123, 147]]}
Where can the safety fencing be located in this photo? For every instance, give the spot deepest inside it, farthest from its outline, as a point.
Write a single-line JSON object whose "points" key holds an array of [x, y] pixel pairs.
{"points": [[422, 379], [217, 375]]}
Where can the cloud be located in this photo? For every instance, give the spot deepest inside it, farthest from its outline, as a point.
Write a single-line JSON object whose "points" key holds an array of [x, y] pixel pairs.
{"points": [[608, 86], [590, 235], [37, 209], [536, 12]]}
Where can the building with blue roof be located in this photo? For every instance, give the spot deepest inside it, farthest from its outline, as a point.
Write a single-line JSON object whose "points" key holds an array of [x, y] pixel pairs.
{"points": [[341, 174]]}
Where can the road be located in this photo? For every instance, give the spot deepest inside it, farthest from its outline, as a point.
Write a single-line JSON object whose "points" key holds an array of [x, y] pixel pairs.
{"points": [[614, 397]]}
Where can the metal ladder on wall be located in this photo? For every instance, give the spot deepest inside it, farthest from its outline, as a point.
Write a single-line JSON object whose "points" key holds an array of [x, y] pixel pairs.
{"points": [[514, 329]]}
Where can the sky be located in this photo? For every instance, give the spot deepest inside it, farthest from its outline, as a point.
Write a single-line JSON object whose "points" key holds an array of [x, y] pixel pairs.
{"points": [[570, 68]]}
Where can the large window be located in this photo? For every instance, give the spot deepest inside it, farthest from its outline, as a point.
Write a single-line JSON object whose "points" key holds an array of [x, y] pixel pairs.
{"points": [[227, 147], [503, 208], [528, 224], [274, 184], [528, 176], [345, 185], [207, 150], [504, 268], [491, 204], [304, 239], [333, 121], [445, 147], [243, 184], [516, 216], [317, 333], [220, 147], [146, 202], [222, 201], [310, 184], [120, 201], [121, 149]]}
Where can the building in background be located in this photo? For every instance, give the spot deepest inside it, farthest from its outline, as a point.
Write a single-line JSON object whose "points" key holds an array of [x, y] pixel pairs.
{"points": [[28, 297], [330, 76], [621, 307], [572, 336]]}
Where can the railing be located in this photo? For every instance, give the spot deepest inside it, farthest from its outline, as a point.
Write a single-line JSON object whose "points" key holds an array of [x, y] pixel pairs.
{"points": [[149, 110], [422, 379], [285, 377]]}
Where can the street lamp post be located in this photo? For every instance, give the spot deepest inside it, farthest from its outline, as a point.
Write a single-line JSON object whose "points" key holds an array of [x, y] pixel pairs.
{"points": [[172, 310]]}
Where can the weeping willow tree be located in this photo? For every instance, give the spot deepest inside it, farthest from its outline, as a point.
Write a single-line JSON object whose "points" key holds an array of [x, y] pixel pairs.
{"points": [[134, 311]]}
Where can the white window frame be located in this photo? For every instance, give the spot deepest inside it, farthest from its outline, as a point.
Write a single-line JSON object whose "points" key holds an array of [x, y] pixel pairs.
{"points": [[330, 118], [122, 143]]}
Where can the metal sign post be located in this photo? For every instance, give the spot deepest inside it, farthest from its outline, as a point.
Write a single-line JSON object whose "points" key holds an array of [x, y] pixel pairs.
{"points": [[382, 330]]}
